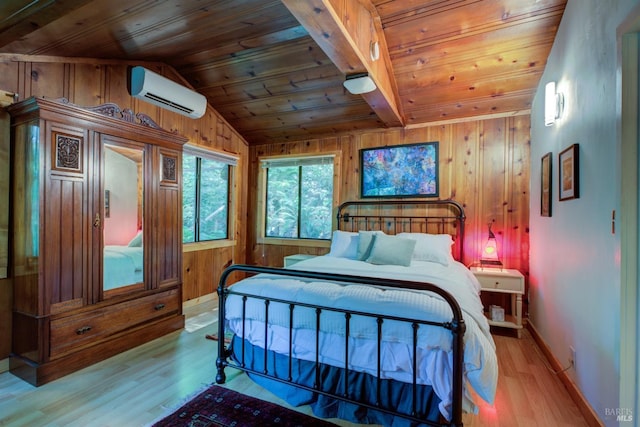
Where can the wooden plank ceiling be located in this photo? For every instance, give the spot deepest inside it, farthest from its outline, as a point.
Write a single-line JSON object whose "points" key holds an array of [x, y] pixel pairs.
{"points": [[274, 68]]}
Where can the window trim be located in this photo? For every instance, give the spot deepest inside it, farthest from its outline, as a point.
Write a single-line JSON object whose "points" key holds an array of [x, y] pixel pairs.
{"points": [[232, 161], [263, 164], [208, 244], [218, 156]]}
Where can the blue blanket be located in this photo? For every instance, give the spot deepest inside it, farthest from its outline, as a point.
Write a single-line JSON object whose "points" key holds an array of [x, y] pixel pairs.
{"points": [[394, 395]]}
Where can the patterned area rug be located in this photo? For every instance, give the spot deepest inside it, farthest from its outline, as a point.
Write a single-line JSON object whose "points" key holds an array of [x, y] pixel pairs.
{"points": [[219, 406]]}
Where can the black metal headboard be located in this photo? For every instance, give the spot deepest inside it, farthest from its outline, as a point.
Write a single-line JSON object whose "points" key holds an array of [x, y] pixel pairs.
{"points": [[398, 216]]}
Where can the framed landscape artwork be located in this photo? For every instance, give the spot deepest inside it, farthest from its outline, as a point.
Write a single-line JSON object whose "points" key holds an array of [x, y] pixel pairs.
{"points": [[569, 175], [545, 186], [409, 170]]}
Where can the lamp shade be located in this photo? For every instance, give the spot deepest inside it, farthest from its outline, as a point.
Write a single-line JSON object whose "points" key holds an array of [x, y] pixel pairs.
{"points": [[490, 251]]}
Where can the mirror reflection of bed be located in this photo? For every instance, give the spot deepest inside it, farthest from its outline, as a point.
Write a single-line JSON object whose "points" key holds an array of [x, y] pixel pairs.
{"points": [[123, 266]]}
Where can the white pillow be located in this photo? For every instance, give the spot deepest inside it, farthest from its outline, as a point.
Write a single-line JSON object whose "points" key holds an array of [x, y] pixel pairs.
{"points": [[344, 244], [136, 242], [365, 239], [391, 250], [431, 247]]}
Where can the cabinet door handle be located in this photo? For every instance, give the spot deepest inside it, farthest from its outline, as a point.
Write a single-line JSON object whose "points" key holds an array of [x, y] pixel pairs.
{"points": [[83, 330], [96, 221], [159, 307]]}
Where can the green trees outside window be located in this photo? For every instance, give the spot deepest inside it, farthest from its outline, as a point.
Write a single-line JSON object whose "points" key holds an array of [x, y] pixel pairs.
{"points": [[205, 199], [299, 198]]}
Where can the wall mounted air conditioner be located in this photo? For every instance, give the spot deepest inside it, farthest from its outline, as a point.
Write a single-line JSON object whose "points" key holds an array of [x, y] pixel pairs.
{"points": [[165, 93]]}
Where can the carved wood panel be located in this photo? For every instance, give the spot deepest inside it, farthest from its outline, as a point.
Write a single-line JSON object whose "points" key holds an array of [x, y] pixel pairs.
{"points": [[66, 227], [167, 217], [169, 169], [67, 152]]}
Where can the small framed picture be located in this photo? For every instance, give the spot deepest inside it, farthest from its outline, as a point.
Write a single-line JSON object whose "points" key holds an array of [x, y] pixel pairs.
{"points": [[545, 185], [569, 177]]}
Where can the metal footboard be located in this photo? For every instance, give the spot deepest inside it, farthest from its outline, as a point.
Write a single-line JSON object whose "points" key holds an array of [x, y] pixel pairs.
{"points": [[456, 326]]}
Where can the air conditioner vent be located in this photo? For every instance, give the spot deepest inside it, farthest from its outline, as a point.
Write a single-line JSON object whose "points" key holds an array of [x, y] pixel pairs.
{"points": [[165, 93], [166, 102]]}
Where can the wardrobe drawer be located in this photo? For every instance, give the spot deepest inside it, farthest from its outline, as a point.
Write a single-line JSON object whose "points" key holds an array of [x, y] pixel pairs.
{"points": [[90, 327]]}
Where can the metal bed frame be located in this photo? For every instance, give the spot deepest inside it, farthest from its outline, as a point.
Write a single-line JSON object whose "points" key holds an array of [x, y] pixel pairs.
{"points": [[456, 325], [449, 216]]}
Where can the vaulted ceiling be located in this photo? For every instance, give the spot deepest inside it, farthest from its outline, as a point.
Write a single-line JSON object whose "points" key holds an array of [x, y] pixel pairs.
{"points": [[274, 68]]}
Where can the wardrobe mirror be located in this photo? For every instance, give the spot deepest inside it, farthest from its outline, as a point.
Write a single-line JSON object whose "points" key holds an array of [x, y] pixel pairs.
{"points": [[122, 217]]}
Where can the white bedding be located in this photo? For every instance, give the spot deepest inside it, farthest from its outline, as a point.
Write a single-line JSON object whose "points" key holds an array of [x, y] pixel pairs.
{"points": [[434, 355], [123, 265]]}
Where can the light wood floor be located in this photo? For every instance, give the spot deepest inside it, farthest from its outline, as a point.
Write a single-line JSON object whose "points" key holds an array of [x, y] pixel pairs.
{"points": [[140, 386]]}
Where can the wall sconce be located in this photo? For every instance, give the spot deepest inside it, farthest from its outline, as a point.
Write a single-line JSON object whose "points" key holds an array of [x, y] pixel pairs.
{"points": [[490, 251], [359, 83], [553, 104]]}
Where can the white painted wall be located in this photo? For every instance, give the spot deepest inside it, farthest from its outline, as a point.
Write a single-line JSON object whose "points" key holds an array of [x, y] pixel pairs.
{"points": [[121, 179], [575, 258]]}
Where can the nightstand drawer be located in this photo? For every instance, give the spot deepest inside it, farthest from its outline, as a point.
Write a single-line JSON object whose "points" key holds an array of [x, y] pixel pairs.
{"points": [[514, 284]]}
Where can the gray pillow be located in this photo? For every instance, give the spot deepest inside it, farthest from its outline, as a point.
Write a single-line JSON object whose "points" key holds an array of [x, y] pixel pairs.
{"points": [[364, 243], [391, 250], [136, 242]]}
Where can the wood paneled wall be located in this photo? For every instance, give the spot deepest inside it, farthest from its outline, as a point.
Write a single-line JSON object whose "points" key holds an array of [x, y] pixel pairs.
{"points": [[483, 164], [6, 291], [4, 192], [89, 82]]}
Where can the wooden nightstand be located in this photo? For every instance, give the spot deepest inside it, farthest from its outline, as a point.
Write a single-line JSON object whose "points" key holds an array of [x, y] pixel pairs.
{"points": [[292, 259], [505, 281]]}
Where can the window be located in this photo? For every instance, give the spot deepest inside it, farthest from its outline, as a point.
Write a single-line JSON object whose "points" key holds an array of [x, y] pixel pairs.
{"points": [[206, 183], [299, 197]]}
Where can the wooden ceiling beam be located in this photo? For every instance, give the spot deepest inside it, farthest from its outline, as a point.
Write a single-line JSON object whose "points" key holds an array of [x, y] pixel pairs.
{"points": [[345, 31]]}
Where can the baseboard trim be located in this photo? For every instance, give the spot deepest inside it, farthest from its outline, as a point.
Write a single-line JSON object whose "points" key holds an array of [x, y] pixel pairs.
{"points": [[4, 365], [587, 411], [200, 300]]}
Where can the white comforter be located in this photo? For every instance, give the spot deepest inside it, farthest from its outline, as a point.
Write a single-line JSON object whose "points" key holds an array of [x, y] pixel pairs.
{"points": [[434, 355], [122, 266]]}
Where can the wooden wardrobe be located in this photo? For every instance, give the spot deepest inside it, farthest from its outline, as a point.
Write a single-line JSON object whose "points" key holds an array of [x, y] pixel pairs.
{"points": [[74, 305]]}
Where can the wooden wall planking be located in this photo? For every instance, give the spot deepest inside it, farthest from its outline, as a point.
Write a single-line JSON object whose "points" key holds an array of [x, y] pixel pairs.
{"points": [[5, 122], [6, 291], [202, 270], [482, 164]]}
